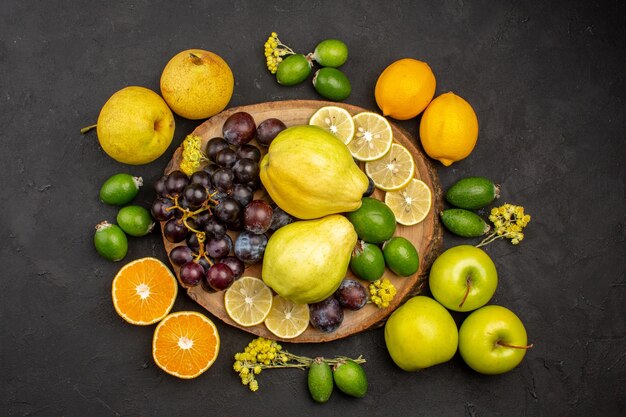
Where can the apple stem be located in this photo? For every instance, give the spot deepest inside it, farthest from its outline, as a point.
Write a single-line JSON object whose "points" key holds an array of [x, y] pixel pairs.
{"points": [[468, 285], [500, 343], [195, 59], [87, 129]]}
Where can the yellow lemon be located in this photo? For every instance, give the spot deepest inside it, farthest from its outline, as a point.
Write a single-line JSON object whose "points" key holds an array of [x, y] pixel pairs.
{"points": [[405, 88], [135, 126], [197, 84], [449, 129]]}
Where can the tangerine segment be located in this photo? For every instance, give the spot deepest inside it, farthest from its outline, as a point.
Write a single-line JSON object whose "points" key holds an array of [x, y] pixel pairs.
{"points": [[185, 344], [144, 291]]}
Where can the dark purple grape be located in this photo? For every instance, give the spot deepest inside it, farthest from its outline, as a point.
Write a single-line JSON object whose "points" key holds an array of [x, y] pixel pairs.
{"points": [[249, 152], [254, 184], [267, 131], [180, 255], [202, 178], [205, 264], [192, 241], [210, 169], [279, 219], [217, 195], [184, 204], [246, 170], [159, 186], [239, 128], [242, 194], [228, 210], [213, 146], [219, 247], [191, 273], [223, 179], [199, 221], [176, 182], [327, 315], [195, 195], [237, 225], [250, 247], [226, 158], [351, 294], [213, 228], [160, 209], [257, 217], [236, 265], [370, 188], [219, 276], [175, 231]]}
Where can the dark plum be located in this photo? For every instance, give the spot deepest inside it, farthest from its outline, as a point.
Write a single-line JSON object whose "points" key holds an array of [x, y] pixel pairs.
{"points": [[236, 265], [202, 178], [176, 182], [175, 231], [219, 276], [227, 210], [249, 152], [160, 208], [327, 315], [226, 158], [191, 273], [267, 131], [246, 170], [250, 247], [195, 195], [242, 194], [257, 217], [159, 186], [239, 128], [223, 179], [214, 145], [219, 247], [180, 255], [280, 218], [351, 294], [213, 228]]}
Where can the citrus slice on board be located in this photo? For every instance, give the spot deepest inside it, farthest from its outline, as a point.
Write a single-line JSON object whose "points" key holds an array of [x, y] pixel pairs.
{"points": [[144, 291], [394, 170], [372, 137], [410, 204], [286, 318], [335, 120], [185, 344], [248, 301]]}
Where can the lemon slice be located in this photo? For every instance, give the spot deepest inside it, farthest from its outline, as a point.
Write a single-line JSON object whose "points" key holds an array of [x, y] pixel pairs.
{"points": [[410, 204], [372, 136], [336, 120], [287, 319], [393, 171], [248, 301]]}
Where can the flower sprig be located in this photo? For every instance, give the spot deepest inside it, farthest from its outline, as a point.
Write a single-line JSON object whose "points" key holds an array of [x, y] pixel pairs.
{"points": [[193, 156], [275, 50], [382, 292], [263, 354], [508, 220]]}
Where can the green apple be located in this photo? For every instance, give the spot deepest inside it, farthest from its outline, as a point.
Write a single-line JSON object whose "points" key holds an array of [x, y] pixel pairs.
{"points": [[492, 340], [421, 333], [463, 278]]}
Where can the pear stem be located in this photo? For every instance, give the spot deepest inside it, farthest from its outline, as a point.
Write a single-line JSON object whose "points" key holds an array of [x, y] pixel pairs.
{"points": [[195, 59], [500, 343], [87, 128], [468, 284]]}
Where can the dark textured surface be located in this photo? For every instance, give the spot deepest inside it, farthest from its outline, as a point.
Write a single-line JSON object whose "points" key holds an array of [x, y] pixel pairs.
{"points": [[547, 82]]}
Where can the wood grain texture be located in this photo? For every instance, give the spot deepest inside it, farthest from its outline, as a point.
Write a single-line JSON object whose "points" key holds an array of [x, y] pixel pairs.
{"points": [[426, 236]]}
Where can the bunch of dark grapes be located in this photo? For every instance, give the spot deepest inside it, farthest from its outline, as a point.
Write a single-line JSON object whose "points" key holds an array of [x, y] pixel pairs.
{"points": [[327, 315], [201, 209]]}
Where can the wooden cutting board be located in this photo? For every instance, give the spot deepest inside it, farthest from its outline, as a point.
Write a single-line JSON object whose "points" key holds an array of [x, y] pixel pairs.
{"points": [[426, 236]]}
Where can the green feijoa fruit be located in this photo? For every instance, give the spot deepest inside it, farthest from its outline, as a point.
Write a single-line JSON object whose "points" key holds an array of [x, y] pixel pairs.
{"points": [[135, 220], [401, 256], [374, 221], [120, 189], [320, 380], [464, 223], [293, 70], [332, 84], [110, 241], [350, 378], [472, 193], [331, 53], [367, 261]]}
